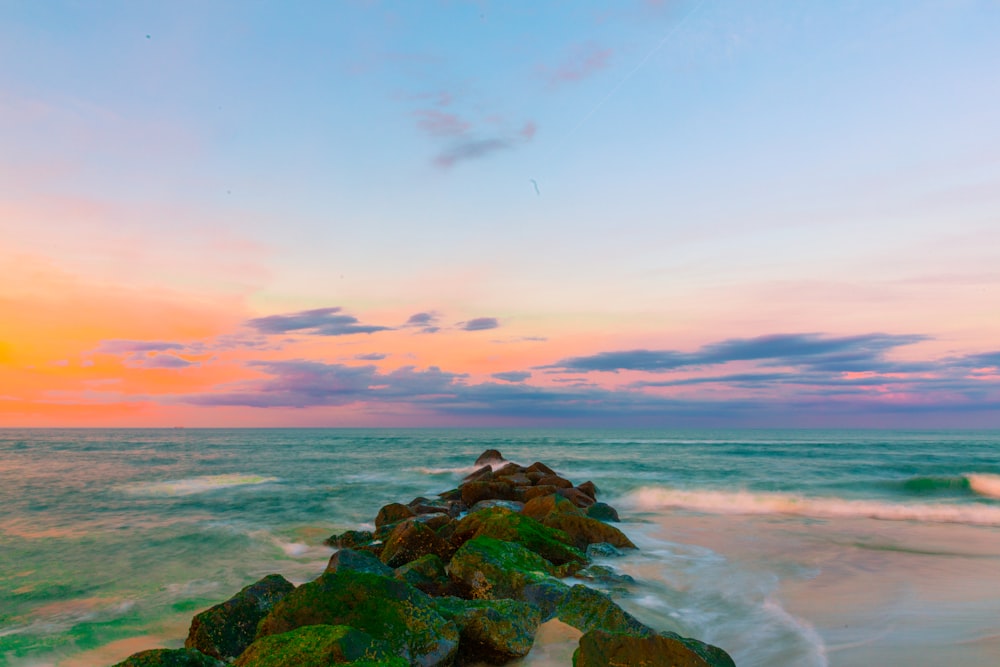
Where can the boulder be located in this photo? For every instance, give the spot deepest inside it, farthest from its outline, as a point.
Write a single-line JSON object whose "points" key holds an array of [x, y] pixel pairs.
{"points": [[319, 646], [484, 474], [392, 513], [491, 569], [540, 508], [421, 505], [410, 540], [163, 657], [357, 561], [600, 648], [350, 539], [489, 456], [387, 609], [584, 531], [508, 469], [473, 492], [605, 575], [603, 512], [434, 521], [532, 492], [589, 488], [576, 496], [587, 609], [538, 466], [492, 631], [502, 524], [555, 480], [225, 630], [426, 573], [512, 505], [603, 550]]}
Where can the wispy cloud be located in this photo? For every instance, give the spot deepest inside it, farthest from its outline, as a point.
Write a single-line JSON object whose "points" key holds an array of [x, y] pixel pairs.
{"points": [[372, 356], [317, 322], [440, 124], [122, 346], [512, 376], [140, 360], [581, 63], [473, 149]]}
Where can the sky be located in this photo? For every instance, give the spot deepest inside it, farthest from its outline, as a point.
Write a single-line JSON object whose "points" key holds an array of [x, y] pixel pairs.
{"points": [[673, 213]]}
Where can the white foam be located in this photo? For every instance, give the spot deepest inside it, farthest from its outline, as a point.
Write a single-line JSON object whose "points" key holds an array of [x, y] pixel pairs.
{"points": [[193, 485], [984, 484], [747, 502]]}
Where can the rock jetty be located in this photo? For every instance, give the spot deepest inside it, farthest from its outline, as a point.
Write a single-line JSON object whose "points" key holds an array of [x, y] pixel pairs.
{"points": [[462, 579]]}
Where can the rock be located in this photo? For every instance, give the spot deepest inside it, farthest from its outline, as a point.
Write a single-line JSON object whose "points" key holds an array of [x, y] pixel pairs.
{"points": [[589, 488], [387, 609], [512, 505], [349, 539], [319, 646], [491, 569], [453, 495], [534, 476], [600, 648], [584, 531], [587, 609], [540, 508], [576, 496], [357, 561], [538, 466], [163, 657], [603, 550], [556, 481], [410, 540], [604, 575], [473, 492], [422, 505], [225, 630], [532, 492], [508, 470], [492, 631], [502, 524], [392, 513], [484, 474], [426, 573], [603, 512], [545, 594], [433, 521], [489, 456]]}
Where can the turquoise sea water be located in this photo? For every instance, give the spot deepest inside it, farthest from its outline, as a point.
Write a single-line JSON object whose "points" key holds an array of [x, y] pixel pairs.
{"points": [[784, 547]]}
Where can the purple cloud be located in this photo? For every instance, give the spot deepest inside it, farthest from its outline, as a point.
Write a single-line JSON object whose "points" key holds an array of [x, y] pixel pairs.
{"points": [[440, 124], [512, 376], [140, 360], [472, 149], [480, 324], [373, 356], [122, 346], [316, 322]]}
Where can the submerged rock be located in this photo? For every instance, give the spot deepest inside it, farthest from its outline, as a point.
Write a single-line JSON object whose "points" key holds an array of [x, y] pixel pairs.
{"points": [[163, 657], [225, 630], [320, 646], [600, 648], [387, 609]]}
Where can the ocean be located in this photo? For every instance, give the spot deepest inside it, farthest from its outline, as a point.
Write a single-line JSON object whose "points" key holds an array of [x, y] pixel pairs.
{"points": [[787, 548]]}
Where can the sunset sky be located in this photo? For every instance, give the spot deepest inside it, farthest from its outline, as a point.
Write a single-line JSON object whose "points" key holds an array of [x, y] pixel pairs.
{"points": [[673, 213]]}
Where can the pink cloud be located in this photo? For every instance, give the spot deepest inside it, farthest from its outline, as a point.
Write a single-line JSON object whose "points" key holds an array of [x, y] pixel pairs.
{"points": [[440, 124], [582, 63], [528, 130]]}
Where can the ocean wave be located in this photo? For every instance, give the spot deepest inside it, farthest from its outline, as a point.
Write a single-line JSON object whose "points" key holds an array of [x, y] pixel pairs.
{"points": [[748, 502], [981, 484], [193, 485], [984, 484], [459, 470]]}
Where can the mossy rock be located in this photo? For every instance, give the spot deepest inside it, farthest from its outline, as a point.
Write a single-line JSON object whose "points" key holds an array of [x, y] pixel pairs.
{"points": [[473, 492], [426, 573], [163, 657], [542, 507], [410, 540], [392, 513], [387, 609], [584, 531], [319, 646], [600, 648], [492, 631], [225, 630], [503, 524], [576, 496], [493, 569], [588, 609], [357, 561]]}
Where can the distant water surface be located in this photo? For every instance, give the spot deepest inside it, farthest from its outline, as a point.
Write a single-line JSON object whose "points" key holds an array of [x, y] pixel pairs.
{"points": [[787, 548]]}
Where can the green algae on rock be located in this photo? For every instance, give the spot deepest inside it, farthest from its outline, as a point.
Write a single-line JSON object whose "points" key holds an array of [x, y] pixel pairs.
{"points": [[493, 569], [164, 657], [319, 646], [387, 609], [600, 648], [225, 630]]}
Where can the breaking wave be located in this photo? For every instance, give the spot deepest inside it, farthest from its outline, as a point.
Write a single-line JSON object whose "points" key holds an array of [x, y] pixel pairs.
{"points": [[193, 485], [748, 502]]}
